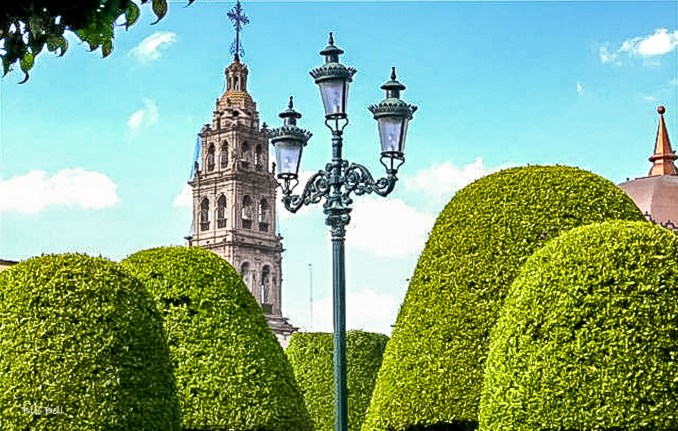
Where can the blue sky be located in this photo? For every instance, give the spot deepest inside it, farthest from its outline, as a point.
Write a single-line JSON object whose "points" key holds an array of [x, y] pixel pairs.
{"points": [[95, 153]]}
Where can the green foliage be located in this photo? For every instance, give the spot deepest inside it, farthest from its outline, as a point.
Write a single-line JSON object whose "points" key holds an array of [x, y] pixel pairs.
{"points": [[27, 26], [79, 335], [311, 357], [231, 372], [588, 337], [433, 365]]}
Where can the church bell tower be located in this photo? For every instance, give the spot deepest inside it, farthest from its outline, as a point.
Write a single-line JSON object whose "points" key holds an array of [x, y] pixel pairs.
{"points": [[234, 190]]}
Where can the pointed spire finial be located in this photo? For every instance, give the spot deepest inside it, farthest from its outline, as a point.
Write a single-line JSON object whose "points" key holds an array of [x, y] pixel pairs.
{"points": [[664, 156], [393, 74], [331, 40], [291, 104], [239, 19]]}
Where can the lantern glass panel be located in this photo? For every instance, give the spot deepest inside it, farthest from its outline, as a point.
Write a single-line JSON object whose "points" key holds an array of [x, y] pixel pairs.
{"points": [[390, 133], [332, 92], [406, 122], [288, 156]]}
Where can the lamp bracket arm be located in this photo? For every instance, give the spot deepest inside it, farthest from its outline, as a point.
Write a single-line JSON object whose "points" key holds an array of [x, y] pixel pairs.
{"points": [[315, 189], [359, 180]]}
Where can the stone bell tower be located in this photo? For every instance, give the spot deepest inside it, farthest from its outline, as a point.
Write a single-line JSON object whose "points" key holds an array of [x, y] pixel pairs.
{"points": [[234, 195]]}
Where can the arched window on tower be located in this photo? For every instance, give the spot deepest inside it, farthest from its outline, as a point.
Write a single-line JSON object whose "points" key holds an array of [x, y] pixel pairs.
{"points": [[237, 83], [264, 215], [221, 211], [210, 158], [265, 285], [245, 274], [204, 214], [258, 158], [245, 154], [246, 212], [224, 155]]}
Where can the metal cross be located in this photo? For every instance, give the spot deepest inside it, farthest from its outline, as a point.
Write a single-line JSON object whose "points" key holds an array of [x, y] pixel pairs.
{"points": [[239, 19]]}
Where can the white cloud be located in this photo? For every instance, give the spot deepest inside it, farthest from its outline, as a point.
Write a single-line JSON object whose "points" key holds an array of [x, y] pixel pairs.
{"points": [[146, 116], [185, 198], [580, 88], [606, 56], [441, 181], [387, 227], [149, 49], [366, 310], [661, 42], [36, 191]]}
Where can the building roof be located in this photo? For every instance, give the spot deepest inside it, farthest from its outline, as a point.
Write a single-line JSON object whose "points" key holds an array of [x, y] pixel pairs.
{"points": [[657, 194], [4, 262]]}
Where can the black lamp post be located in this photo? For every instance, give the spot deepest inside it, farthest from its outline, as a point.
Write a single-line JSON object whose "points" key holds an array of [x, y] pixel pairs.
{"points": [[339, 179]]}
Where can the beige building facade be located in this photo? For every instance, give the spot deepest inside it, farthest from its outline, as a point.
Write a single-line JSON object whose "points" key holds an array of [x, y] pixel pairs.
{"points": [[234, 190], [4, 264]]}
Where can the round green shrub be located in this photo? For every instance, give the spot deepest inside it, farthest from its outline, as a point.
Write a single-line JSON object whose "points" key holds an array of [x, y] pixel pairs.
{"points": [[231, 373], [432, 372], [310, 354], [588, 337], [81, 348]]}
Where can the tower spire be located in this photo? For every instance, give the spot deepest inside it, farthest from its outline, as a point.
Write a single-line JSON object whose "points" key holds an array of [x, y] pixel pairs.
{"points": [[239, 19], [664, 156]]}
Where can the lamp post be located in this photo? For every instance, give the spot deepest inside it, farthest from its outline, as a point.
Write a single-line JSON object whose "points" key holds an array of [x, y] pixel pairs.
{"points": [[340, 179]]}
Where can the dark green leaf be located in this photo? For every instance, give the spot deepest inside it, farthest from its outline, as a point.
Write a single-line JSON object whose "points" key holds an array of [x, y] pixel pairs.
{"points": [[6, 65], [55, 43], [107, 47], [131, 14], [160, 10], [26, 64]]}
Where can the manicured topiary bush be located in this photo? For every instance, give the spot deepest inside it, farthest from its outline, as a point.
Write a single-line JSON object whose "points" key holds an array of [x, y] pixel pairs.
{"points": [[588, 337], [231, 372], [432, 371], [310, 354], [81, 348]]}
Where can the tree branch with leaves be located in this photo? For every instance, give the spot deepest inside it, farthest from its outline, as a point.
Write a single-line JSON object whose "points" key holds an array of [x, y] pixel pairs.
{"points": [[27, 27]]}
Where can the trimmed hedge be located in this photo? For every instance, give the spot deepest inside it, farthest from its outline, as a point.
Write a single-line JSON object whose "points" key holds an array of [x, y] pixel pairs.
{"points": [[310, 354], [231, 372], [432, 372], [588, 337], [80, 337]]}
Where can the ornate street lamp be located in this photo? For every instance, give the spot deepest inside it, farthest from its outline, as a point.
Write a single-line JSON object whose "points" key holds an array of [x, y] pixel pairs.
{"points": [[289, 141], [339, 180]]}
